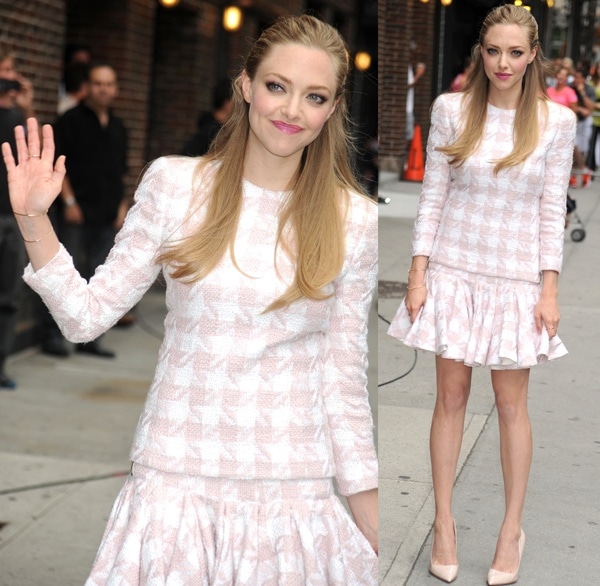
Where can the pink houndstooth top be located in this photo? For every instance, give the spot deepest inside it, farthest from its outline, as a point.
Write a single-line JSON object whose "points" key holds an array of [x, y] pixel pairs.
{"points": [[237, 393], [510, 225]]}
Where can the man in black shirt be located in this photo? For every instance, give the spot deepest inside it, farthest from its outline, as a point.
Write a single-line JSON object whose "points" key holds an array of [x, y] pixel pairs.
{"points": [[94, 141], [16, 99]]}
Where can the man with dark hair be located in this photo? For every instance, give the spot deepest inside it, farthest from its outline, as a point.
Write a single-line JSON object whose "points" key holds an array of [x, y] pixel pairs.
{"points": [[209, 123], [94, 141]]}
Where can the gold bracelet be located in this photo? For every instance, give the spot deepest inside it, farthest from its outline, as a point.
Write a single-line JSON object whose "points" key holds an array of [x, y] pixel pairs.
{"points": [[31, 215], [416, 270], [417, 287], [44, 236]]}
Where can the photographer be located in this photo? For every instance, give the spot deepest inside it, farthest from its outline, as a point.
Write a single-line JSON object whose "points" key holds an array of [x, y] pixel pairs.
{"points": [[16, 99]]}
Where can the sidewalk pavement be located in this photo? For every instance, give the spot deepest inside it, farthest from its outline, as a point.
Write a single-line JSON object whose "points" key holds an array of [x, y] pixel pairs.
{"points": [[65, 435], [562, 512]]}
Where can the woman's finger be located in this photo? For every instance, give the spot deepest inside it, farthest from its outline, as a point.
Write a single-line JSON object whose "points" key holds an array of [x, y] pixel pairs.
{"points": [[48, 143], [7, 155], [33, 138], [22, 152], [60, 167]]}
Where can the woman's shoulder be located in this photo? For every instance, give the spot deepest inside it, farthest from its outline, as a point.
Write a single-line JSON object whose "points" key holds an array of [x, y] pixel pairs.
{"points": [[449, 101], [447, 107], [560, 115], [177, 170], [175, 166], [362, 211]]}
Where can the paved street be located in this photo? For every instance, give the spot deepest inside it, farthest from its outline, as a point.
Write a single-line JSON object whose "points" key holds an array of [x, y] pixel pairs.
{"points": [[562, 514]]}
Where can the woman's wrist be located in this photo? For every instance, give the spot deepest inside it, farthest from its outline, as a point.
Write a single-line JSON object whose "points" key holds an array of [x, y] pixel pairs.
{"points": [[34, 227]]}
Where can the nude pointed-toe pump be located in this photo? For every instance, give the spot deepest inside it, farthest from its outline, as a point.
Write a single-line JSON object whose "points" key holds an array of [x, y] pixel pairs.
{"points": [[444, 572], [497, 578]]}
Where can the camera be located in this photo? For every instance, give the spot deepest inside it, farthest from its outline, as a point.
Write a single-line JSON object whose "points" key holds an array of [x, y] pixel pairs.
{"points": [[7, 85]]}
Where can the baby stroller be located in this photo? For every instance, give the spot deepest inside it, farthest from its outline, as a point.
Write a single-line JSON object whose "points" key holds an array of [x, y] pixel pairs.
{"points": [[578, 233]]}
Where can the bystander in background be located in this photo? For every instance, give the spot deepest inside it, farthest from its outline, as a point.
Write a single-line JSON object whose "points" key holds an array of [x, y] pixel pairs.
{"points": [[209, 123], [94, 141]]}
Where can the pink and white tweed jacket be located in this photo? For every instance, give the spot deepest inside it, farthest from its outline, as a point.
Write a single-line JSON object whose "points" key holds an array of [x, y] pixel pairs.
{"points": [[510, 225], [237, 393]]}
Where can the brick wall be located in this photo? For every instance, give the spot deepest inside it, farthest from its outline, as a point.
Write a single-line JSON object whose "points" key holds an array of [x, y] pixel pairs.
{"points": [[399, 22], [35, 30]]}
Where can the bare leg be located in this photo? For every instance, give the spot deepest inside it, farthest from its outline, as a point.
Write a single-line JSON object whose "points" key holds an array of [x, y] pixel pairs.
{"points": [[510, 388], [453, 388]]}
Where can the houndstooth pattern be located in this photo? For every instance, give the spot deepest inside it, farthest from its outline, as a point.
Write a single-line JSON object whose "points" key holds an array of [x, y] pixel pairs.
{"points": [[237, 393], [299, 534], [488, 237], [510, 225]]}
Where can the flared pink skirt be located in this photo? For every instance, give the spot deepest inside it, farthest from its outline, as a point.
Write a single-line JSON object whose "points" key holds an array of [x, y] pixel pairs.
{"points": [[177, 530], [478, 320]]}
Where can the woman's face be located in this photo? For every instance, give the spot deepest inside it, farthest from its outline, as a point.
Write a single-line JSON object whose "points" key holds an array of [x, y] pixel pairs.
{"points": [[291, 97], [562, 77], [506, 54]]}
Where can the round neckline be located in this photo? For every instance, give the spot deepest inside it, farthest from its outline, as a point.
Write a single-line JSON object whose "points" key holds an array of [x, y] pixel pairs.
{"points": [[253, 185], [509, 110]]}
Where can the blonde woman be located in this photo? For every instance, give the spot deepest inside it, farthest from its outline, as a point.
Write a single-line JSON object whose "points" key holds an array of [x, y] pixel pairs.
{"points": [[487, 252], [259, 398]]}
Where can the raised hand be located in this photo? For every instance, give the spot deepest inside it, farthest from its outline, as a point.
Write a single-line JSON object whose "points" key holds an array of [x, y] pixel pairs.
{"points": [[36, 180]]}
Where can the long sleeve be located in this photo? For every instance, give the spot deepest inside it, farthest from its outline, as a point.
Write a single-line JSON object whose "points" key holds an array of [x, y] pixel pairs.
{"points": [[346, 397], [85, 310], [559, 159], [436, 179]]}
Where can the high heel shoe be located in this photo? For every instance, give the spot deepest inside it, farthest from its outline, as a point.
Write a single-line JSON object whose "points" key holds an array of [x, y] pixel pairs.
{"points": [[447, 573], [497, 578]]}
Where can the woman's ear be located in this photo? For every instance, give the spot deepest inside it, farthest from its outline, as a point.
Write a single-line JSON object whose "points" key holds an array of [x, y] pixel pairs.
{"points": [[246, 86], [533, 54], [335, 103]]}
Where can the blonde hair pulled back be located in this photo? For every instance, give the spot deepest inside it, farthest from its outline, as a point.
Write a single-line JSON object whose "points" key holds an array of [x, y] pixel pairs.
{"points": [[475, 100], [318, 196]]}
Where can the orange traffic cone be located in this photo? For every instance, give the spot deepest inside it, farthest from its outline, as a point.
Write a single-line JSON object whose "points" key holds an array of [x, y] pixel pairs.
{"points": [[415, 168]]}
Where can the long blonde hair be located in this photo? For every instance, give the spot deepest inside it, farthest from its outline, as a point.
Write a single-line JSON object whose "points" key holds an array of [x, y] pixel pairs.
{"points": [[319, 191], [475, 99]]}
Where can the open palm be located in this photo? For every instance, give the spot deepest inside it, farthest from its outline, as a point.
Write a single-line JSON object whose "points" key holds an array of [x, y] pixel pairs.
{"points": [[36, 180]]}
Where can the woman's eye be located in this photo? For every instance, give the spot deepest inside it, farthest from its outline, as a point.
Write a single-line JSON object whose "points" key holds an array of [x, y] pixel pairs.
{"points": [[517, 53], [274, 87], [317, 98], [491, 51]]}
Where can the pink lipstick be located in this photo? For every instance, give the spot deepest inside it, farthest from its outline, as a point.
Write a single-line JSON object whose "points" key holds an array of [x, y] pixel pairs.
{"points": [[287, 128], [503, 76]]}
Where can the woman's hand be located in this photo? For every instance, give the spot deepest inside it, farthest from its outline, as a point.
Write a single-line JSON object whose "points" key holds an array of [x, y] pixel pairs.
{"points": [[414, 300], [364, 507], [36, 180], [547, 314]]}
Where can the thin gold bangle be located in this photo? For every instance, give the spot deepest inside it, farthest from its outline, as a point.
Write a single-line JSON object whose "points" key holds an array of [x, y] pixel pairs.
{"points": [[416, 270], [31, 215], [44, 236], [417, 287]]}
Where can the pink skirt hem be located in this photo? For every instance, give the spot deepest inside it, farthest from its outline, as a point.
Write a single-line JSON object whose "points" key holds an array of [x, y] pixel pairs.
{"points": [[174, 530], [478, 320]]}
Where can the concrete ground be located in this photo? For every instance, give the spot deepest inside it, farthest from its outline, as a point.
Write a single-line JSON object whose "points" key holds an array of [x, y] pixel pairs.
{"points": [[562, 514]]}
